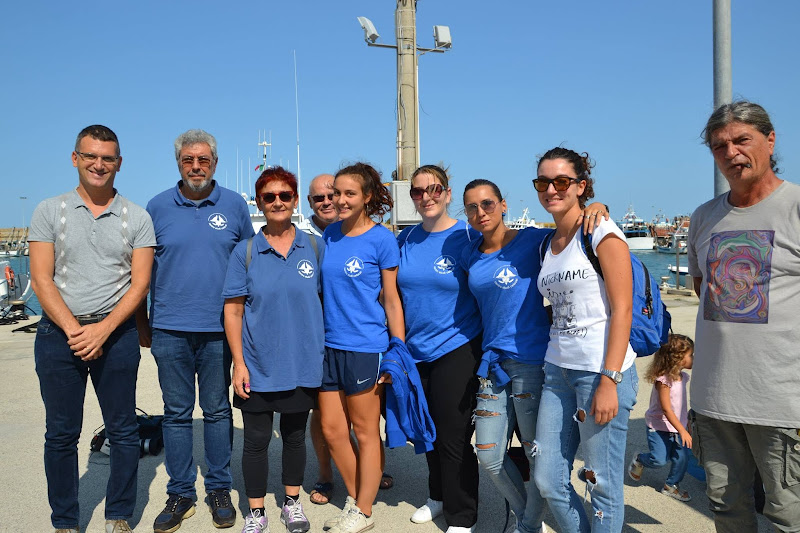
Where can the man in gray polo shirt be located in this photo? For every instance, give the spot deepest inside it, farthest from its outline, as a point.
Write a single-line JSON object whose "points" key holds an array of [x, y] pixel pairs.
{"points": [[91, 253]]}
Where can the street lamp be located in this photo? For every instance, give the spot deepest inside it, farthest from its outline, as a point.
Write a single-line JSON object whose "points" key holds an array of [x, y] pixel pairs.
{"points": [[407, 98], [23, 198]]}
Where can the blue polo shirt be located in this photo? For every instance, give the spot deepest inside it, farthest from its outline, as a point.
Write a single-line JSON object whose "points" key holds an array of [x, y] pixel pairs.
{"points": [[194, 243], [283, 338], [515, 323], [351, 283], [441, 313]]}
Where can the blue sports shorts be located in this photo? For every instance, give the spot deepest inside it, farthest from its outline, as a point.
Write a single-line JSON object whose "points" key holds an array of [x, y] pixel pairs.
{"points": [[352, 372]]}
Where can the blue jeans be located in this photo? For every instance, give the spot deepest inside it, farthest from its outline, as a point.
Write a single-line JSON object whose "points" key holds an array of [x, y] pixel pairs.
{"points": [[665, 446], [180, 356], [566, 392], [497, 412], [62, 379]]}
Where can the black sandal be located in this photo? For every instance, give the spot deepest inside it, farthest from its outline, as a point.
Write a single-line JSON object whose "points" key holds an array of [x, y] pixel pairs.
{"points": [[323, 489], [387, 482]]}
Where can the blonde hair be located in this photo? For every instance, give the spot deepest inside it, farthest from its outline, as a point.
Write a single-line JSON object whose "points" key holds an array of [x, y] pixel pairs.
{"points": [[667, 359]]}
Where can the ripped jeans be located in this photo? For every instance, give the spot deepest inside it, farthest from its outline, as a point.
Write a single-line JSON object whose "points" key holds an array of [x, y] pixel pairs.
{"points": [[497, 410], [565, 393]]}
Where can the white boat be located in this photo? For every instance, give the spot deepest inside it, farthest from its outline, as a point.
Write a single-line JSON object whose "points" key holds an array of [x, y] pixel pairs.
{"points": [[15, 290], [637, 232], [682, 269], [676, 241], [522, 222]]}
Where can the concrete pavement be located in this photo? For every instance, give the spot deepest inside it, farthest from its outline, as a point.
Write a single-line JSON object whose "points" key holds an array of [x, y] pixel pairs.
{"points": [[23, 482]]}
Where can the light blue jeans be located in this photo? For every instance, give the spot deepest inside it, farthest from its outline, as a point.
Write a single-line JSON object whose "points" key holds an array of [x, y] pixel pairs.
{"points": [[498, 410], [558, 433], [665, 446]]}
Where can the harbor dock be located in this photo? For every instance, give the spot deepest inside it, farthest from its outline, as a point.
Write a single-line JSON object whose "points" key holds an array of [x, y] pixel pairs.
{"points": [[23, 479]]}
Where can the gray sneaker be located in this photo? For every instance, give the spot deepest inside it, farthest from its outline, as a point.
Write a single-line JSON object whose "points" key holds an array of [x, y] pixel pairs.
{"points": [[354, 522], [68, 530], [118, 526], [293, 517], [255, 522], [348, 503]]}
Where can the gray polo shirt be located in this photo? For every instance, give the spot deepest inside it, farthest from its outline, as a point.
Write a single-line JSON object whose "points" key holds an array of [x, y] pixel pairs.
{"points": [[92, 255]]}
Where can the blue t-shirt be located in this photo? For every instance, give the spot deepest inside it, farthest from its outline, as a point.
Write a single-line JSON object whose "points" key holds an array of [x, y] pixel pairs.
{"points": [[283, 340], [441, 313], [351, 283], [194, 243], [515, 323]]}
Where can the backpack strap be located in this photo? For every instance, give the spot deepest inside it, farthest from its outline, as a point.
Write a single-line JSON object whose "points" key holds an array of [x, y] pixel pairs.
{"points": [[544, 245], [249, 256], [314, 245], [586, 244]]}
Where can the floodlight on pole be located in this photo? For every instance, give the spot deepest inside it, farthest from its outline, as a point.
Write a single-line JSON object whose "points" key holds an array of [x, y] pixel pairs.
{"points": [[370, 33], [441, 37]]}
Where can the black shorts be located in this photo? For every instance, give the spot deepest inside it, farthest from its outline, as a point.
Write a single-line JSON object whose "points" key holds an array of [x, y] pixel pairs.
{"points": [[351, 372]]}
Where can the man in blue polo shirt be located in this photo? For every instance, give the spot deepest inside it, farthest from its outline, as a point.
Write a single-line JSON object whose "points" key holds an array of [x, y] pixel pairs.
{"points": [[197, 225]]}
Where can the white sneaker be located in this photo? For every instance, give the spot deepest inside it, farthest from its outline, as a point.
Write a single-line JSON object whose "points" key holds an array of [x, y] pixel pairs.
{"points": [[457, 529], [543, 530], [348, 503], [354, 522], [118, 526], [428, 512]]}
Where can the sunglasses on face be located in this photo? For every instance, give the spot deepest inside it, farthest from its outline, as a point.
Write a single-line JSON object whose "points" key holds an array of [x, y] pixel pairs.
{"points": [[488, 207], [560, 183], [321, 197], [269, 197], [202, 161], [434, 191]]}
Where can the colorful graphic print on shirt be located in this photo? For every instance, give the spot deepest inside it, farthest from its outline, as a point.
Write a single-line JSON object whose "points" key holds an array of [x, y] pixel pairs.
{"points": [[739, 267]]}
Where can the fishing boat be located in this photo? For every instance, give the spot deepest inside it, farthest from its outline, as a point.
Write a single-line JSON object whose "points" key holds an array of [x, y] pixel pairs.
{"points": [[676, 241], [682, 269], [522, 222], [637, 232]]}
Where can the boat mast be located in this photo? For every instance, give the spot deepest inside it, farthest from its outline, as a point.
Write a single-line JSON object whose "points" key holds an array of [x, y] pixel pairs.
{"points": [[299, 208]]}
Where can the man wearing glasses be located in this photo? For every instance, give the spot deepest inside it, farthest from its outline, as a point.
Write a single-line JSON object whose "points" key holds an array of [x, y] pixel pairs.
{"points": [[91, 253], [743, 256], [320, 198], [197, 224]]}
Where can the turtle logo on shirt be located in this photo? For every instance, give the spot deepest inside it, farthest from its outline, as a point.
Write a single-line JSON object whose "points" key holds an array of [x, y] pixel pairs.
{"points": [[444, 264], [218, 221], [353, 267], [305, 269], [506, 277]]}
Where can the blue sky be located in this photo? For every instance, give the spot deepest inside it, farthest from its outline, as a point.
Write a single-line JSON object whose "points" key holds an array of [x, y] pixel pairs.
{"points": [[628, 81]]}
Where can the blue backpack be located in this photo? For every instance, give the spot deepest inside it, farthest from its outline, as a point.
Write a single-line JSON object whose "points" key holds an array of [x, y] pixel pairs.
{"points": [[651, 322]]}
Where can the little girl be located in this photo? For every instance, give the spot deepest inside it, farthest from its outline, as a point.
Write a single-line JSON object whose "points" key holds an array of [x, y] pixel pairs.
{"points": [[667, 416]]}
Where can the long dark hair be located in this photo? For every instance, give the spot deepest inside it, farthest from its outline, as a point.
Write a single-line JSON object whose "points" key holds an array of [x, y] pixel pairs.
{"points": [[580, 163]]}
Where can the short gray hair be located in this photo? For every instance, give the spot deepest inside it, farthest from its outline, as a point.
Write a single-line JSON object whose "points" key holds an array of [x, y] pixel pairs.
{"points": [[744, 112], [195, 137]]}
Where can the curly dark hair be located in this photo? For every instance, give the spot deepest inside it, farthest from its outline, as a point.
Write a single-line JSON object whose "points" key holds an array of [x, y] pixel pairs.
{"points": [[580, 163], [666, 359], [380, 201]]}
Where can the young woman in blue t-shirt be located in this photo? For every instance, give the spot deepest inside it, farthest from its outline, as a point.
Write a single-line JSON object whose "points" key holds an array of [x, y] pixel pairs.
{"points": [[447, 348], [361, 259]]}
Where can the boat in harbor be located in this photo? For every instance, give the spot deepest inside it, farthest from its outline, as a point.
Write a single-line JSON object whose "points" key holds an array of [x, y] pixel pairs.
{"points": [[682, 269], [522, 222], [637, 232], [15, 291], [675, 241]]}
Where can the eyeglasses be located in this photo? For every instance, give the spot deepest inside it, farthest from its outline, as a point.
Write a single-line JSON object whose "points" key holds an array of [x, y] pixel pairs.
{"points": [[321, 197], [202, 161], [488, 207], [91, 158], [434, 191], [561, 183], [269, 197]]}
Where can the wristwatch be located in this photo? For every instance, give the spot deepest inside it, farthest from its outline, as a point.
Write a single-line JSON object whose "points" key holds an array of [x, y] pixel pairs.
{"points": [[615, 376]]}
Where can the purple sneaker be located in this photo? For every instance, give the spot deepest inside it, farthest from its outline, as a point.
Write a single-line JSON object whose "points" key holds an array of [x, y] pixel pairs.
{"points": [[255, 522], [293, 517]]}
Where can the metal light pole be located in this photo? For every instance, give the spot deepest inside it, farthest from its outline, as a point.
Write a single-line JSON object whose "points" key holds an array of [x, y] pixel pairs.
{"points": [[407, 98], [722, 72]]}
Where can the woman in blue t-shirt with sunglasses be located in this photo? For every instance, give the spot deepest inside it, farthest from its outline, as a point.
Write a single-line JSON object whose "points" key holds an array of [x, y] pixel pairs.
{"points": [[443, 335]]}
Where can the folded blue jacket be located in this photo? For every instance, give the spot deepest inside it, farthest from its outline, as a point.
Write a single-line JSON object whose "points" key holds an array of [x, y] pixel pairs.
{"points": [[407, 415], [490, 364]]}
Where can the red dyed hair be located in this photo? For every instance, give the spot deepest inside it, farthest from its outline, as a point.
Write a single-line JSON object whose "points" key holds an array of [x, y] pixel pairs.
{"points": [[276, 174]]}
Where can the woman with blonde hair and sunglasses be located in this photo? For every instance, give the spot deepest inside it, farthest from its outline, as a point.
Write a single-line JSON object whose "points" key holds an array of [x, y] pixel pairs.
{"points": [[447, 347]]}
